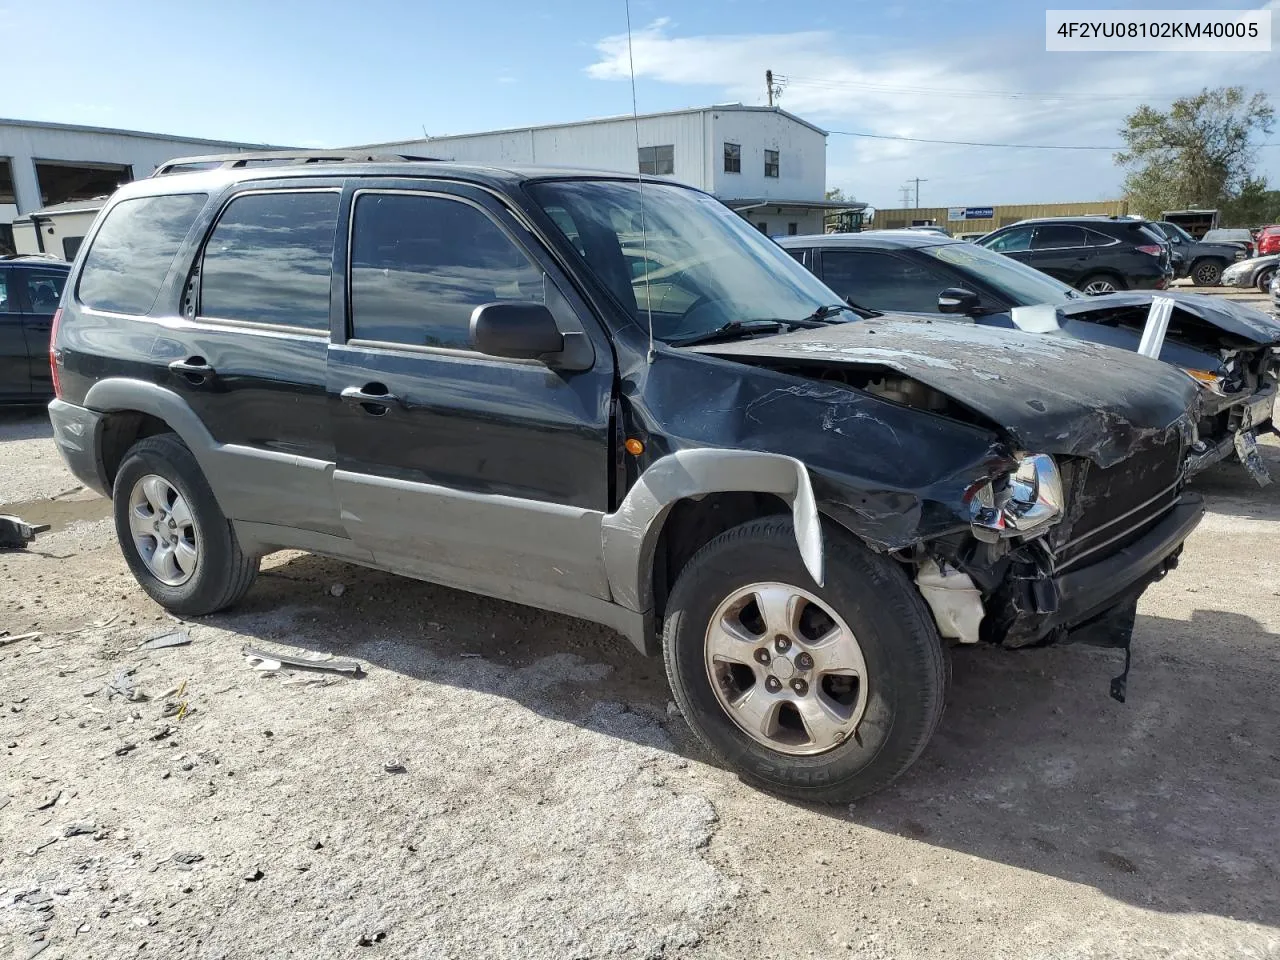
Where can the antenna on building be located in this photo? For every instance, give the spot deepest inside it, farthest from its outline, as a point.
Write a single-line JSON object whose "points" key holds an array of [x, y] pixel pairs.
{"points": [[644, 235]]}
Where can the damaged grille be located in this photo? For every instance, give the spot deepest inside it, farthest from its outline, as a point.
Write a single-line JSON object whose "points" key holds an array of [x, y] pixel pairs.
{"points": [[1110, 508]]}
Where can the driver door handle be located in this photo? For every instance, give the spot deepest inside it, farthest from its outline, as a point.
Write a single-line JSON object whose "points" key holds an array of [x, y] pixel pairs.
{"points": [[372, 398], [194, 369]]}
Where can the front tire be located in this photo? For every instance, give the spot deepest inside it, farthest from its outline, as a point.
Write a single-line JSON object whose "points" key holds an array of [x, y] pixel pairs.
{"points": [[1264, 279], [1100, 284], [175, 538], [855, 677], [1206, 273]]}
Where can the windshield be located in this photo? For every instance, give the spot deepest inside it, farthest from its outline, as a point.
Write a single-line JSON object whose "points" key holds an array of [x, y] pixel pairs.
{"points": [[698, 265], [1229, 235], [1021, 284]]}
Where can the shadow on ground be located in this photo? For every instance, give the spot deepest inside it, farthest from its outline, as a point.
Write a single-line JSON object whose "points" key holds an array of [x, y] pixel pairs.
{"points": [[1168, 802]]}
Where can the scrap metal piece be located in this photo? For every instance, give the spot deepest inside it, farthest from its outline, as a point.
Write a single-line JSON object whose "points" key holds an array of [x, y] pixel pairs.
{"points": [[176, 638], [305, 663], [15, 534], [1246, 443]]}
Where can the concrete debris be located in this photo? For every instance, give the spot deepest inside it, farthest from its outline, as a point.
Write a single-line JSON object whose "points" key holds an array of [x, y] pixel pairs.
{"points": [[314, 662], [187, 858], [80, 829], [123, 685], [337, 589], [49, 800], [369, 939], [254, 875], [126, 748], [36, 948], [175, 638]]}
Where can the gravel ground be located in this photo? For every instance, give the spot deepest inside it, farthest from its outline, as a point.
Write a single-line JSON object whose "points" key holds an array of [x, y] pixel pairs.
{"points": [[551, 807]]}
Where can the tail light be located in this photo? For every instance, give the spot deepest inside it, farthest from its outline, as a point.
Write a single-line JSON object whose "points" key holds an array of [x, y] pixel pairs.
{"points": [[1152, 249], [54, 359]]}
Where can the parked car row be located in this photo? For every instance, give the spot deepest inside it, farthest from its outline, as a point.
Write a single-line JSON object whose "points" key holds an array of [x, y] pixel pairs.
{"points": [[616, 400]]}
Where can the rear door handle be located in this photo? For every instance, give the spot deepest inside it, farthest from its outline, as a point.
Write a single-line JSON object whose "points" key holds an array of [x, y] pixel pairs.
{"points": [[373, 398], [194, 369]]}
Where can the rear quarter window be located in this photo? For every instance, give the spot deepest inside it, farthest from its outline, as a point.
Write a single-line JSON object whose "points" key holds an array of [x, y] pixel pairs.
{"points": [[133, 250]]}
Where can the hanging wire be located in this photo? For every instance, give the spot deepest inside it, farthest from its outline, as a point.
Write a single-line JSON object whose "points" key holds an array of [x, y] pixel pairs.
{"points": [[644, 236]]}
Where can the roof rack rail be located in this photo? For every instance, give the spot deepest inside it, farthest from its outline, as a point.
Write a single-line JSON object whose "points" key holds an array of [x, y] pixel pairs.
{"points": [[282, 157]]}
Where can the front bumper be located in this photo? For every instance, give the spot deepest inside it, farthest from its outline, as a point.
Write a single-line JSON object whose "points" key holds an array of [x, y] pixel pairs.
{"points": [[1049, 607], [1244, 417], [76, 431]]}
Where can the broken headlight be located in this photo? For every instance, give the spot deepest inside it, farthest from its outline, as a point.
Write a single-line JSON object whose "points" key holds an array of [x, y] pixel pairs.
{"points": [[1026, 502]]}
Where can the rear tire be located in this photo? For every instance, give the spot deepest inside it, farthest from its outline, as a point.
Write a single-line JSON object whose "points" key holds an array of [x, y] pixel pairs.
{"points": [[1206, 273], [174, 536], [1100, 284], [875, 732]]}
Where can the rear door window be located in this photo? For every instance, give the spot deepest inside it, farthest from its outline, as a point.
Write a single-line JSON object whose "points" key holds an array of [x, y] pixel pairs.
{"points": [[269, 260], [1056, 236], [132, 252], [421, 264], [44, 289], [8, 302]]}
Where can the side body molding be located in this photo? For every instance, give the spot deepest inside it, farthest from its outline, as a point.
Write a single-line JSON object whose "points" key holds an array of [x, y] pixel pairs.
{"points": [[630, 535]]}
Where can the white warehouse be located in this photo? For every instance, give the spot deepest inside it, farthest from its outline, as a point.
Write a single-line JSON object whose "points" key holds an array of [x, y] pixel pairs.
{"points": [[768, 164], [48, 164]]}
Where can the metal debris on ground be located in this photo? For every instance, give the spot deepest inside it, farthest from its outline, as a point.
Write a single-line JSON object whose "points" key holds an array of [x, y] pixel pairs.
{"points": [[123, 685], [15, 534], [175, 638], [6, 640], [395, 766], [315, 662]]}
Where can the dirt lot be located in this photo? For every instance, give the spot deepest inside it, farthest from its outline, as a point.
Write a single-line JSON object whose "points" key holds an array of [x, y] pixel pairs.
{"points": [[551, 807]]}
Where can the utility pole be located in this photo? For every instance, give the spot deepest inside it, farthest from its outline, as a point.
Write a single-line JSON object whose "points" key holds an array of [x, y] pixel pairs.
{"points": [[917, 181], [774, 89]]}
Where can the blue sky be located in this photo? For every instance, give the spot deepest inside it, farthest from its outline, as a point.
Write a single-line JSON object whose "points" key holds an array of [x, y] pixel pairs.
{"points": [[323, 73]]}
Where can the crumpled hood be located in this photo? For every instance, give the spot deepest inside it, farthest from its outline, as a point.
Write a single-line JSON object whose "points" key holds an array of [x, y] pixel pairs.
{"points": [[1233, 318], [1048, 394]]}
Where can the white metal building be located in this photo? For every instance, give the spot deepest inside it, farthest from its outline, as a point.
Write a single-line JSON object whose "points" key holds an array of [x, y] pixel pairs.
{"points": [[45, 164], [767, 163]]}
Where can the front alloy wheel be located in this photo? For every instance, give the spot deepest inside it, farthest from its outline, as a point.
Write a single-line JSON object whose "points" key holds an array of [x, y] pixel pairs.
{"points": [[1099, 287], [786, 668]]}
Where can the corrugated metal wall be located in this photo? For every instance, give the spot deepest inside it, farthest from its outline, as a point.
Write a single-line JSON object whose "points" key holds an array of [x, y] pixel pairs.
{"points": [[890, 218]]}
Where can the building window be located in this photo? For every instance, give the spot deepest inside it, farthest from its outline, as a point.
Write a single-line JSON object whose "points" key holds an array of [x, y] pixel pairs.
{"points": [[733, 158], [771, 163], [763, 227], [659, 161], [793, 229]]}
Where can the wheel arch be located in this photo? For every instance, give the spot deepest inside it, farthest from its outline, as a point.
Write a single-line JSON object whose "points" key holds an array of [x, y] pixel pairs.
{"points": [[134, 409], [696, 485]]}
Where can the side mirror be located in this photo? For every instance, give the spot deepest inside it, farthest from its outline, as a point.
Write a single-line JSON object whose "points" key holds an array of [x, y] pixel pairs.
{"points": [[958, 300], [516, 329]]}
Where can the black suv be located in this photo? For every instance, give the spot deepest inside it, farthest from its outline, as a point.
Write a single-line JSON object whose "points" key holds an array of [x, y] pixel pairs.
{"points": [[30, 288], [614, 399], [1201, 260], [1093, 254]]}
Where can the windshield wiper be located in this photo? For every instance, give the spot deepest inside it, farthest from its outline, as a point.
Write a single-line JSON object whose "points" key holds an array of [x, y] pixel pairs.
{"points": [[734, 328], [866, 313]]}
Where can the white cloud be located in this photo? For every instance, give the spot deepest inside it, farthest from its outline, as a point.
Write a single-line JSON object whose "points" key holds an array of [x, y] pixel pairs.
{"points": [[893, 91]]}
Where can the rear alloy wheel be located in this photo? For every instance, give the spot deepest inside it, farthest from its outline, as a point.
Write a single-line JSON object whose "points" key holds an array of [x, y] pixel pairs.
{"points": [[1206, 273], [1264, 279], [1099, 285], [824, 693]]}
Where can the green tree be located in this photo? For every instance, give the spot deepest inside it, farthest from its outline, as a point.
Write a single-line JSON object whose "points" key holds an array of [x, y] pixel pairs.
{"points": [[1198, 153]]}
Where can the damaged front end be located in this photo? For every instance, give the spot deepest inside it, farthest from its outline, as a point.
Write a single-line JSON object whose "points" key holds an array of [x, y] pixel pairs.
{"points": [[1231, 351], [1053, 528]]}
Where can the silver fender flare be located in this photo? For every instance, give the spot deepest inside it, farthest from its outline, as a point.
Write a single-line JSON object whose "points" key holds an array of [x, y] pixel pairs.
{"points": [[630, 534]]}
